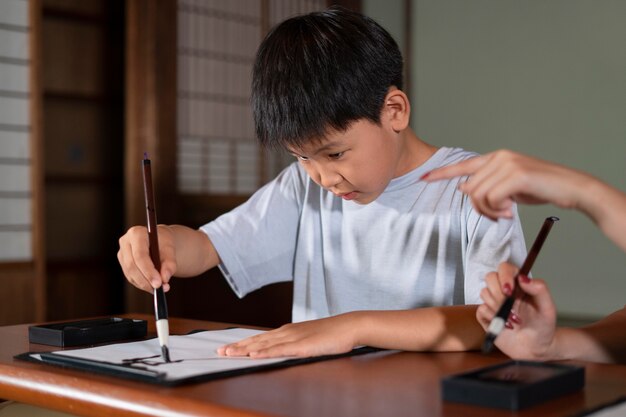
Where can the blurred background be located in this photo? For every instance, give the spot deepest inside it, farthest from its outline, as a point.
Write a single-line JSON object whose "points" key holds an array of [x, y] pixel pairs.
{"points": [[86, 86]]}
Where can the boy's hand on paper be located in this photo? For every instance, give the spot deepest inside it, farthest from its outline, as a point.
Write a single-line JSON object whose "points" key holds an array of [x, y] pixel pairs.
{"points": [[134, 258], [327, 336], [530, 330], [500, 178]]}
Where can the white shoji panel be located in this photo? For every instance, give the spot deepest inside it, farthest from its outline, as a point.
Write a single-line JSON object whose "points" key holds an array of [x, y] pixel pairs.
{"points": [[15, 168], [217, 43]]}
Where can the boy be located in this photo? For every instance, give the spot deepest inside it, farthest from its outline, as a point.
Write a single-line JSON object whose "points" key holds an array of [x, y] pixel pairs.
{"points": [[369, 247]]}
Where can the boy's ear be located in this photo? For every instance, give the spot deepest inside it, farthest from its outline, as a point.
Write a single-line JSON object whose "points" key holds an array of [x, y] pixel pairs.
{"points": [[397, 109]]}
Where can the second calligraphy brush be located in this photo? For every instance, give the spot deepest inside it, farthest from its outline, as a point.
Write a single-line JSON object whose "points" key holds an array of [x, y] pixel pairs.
{"points": [[498, 322]]}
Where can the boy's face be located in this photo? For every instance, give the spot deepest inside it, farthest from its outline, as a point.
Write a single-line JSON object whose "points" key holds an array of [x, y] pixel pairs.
{"points": [[356, 164]]}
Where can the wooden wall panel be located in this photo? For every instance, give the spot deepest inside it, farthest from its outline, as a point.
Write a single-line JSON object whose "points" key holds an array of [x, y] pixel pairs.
{"points": [[81, 148], [74, 57], [18, 301], [83, 136], [76, 218], [86, 8], [81, 289]]}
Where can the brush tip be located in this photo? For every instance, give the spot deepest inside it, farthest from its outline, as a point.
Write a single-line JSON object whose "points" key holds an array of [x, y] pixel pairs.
{"points": [[165, 352], [488, 343]]}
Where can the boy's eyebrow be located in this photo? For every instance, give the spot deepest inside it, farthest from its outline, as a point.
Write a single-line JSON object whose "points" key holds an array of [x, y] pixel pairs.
{"points": [[327, 146]]}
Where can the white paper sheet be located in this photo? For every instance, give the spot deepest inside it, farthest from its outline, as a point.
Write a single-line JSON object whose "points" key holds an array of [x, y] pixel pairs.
{"points": [[616, 410], [191, 355]]}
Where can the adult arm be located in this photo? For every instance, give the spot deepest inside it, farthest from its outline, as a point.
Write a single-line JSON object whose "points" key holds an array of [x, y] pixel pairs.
{"points": [[500, 178], [606, 206]]}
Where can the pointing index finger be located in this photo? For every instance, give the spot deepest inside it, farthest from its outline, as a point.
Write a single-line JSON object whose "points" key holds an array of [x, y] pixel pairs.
{"points": [[467, 167]]}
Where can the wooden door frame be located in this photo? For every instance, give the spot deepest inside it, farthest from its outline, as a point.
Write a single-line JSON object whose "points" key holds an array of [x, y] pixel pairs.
{"points": [[150, 116], [37, 163]]}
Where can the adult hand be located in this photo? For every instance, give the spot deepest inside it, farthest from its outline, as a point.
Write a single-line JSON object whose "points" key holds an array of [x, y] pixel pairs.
{"points": [[500, 178], [530, 330]]}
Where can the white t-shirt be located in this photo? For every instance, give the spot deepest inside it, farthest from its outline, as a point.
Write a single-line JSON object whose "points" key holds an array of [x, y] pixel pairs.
{"points": [[417, 245]]}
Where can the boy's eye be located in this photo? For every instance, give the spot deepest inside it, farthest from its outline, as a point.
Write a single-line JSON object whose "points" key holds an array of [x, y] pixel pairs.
{"points": [[335, 155], [302, 158]]}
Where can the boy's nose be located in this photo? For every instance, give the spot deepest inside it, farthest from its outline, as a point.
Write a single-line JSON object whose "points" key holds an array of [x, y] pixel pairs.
{"points": [[329, 179]]}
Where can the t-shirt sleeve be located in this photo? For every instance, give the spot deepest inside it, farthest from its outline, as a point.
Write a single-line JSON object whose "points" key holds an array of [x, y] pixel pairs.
{"points": [[489, 244], [256, 241]]}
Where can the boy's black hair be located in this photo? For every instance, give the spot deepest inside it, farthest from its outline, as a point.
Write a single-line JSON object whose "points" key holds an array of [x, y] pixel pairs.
{"points": [[320, 72]]}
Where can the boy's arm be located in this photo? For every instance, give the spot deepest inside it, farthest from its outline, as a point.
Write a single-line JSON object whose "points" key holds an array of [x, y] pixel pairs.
{"points": [[184, 252], [450, 328], [440, 329]]}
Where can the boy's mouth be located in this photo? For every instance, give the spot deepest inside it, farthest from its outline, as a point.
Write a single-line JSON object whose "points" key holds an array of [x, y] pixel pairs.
{"points": [[348, 196]]}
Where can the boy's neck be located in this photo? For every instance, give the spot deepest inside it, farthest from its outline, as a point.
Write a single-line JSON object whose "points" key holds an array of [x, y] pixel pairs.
{"points": [[414, 152]]}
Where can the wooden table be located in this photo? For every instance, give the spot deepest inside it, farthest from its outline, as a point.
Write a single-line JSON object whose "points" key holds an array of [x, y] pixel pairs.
{"points": [[377, 384]]}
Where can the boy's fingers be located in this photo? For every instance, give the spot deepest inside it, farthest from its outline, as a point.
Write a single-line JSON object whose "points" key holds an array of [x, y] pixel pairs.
{"points": [[142, 259], [236, 351], [132, 273], [134, 258], [276, 351], [168, 269], [167, 254], [134, 247], [254, 343]]}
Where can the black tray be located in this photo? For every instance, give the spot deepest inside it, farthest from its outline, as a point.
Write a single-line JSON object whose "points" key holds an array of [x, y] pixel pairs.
{"points": [[513, 385], [88, 332]]}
